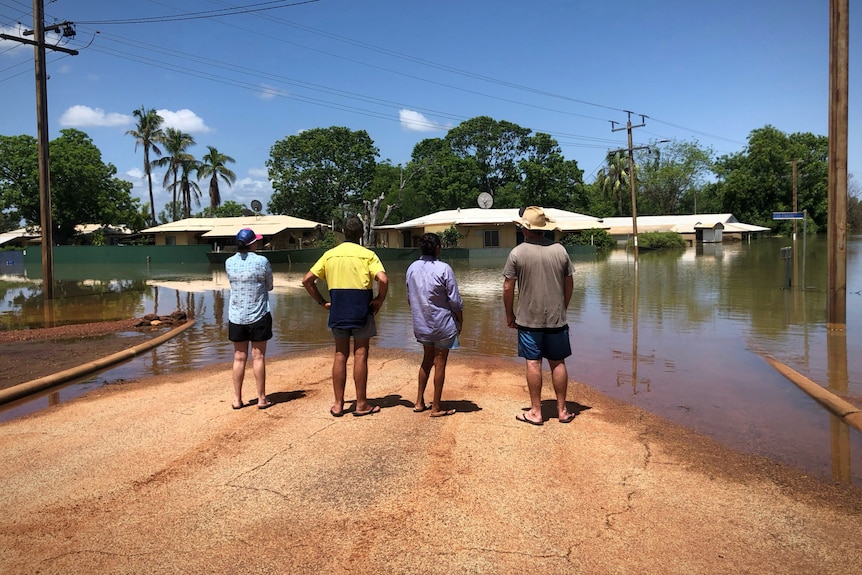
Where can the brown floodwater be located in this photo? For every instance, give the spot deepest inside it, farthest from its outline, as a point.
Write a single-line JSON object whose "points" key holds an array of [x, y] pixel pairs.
{"points": [[684, 337]]}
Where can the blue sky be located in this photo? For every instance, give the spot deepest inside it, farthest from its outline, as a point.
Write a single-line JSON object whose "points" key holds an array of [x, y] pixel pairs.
{"points": [[706, 71]]}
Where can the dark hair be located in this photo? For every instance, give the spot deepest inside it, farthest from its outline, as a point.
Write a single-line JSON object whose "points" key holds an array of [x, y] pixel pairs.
{"points": [[353, 229], [241, 246], [428, 244]]}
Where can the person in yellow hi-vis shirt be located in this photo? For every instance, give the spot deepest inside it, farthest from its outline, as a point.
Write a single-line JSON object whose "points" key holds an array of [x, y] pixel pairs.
{"points": [[349, 271]]}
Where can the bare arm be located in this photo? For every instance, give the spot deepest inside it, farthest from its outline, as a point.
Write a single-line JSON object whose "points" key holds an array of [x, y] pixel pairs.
{"points": [[382, 289], [568, 288], [509, 300], [309, 282]]}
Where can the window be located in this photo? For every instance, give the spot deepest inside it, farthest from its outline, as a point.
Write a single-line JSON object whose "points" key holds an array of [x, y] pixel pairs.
{"points": [[170, 240], [492, 238]]}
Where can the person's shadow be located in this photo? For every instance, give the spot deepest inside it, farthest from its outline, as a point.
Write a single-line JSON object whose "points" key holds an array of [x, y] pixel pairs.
{"points": [[549, 408], [286, 396], [395, 400]]}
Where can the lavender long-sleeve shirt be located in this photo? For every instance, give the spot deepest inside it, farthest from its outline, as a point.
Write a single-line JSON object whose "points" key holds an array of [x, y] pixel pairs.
{"points": [[432, 293]]}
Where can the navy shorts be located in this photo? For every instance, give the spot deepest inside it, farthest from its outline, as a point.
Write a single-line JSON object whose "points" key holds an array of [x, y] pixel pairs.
{"points": [[552, 344], [367, 331], [261, 330]]}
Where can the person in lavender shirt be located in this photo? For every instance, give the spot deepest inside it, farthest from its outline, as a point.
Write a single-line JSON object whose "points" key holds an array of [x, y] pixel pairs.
{"points": [[437, 311]]}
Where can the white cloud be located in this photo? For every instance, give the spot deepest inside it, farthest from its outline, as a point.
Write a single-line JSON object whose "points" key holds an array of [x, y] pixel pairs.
{"points": [[258, 173], [268, 93], [135, 173], [85, 116], [184, 120], [417, 122], [11, 47]]}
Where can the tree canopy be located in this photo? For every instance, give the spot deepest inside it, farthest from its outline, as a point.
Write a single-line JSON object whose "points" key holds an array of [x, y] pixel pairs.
{"points": [[83, 188], [321, 174]]}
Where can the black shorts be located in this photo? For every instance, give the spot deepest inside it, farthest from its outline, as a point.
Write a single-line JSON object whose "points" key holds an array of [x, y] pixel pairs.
{"points": [[261, 330]]}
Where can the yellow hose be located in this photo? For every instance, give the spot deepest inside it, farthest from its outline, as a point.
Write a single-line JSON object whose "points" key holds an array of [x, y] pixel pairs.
{"points": [[848, 412], [29, 387]]}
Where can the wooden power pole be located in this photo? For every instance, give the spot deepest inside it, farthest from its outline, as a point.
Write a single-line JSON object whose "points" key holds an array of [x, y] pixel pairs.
{"points": [[39, 46], [631, 150], [839, 34]]}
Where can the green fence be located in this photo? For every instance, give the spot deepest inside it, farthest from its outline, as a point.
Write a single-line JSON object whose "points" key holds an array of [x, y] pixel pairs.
{"points": [[121, 254]]}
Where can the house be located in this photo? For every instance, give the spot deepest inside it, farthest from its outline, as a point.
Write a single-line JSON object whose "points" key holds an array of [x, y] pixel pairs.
{"points": [[20, 238], [84, 233], [694, 228], [279, 232], [478, 227]]}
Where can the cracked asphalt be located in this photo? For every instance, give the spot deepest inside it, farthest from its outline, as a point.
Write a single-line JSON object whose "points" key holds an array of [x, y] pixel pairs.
{"points": [[162, 476]]}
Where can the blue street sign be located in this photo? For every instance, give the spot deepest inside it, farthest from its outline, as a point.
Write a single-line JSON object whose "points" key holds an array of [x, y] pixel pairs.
{"points": [[788, 215]]}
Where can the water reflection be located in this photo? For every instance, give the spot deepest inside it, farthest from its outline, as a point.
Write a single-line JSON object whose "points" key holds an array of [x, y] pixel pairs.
{"points": [[679, 336]]}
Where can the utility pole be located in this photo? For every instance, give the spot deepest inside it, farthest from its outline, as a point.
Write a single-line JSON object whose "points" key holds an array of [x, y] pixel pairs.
{"points": [[794, 162], [39, 46], [631, 150], [836, 252]]}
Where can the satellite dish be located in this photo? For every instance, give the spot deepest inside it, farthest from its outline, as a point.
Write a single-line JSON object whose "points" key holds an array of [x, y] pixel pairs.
{"points": [[255, 205], [485, 200]]}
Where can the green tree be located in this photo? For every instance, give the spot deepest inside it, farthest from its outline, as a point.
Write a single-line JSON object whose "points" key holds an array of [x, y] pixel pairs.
{"points": [[83, 188], [228, 209], [612, 184], [175, 142], [148, 134], [189, 189], [214, 166], [494, 146], [321, 174], [756, 182], [548, 178], [19, 176], [669, 173]]}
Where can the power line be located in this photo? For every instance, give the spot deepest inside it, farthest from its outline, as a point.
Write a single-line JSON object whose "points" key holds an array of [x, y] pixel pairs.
{"points": [[260, 7]]}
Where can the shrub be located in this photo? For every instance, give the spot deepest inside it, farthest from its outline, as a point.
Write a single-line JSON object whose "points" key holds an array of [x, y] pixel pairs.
{"points": [[597, 237], [450, 237], [659, 240]]}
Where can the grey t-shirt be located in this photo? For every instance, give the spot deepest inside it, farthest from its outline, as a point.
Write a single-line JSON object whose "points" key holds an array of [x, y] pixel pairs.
{"points": [[540, 270]]}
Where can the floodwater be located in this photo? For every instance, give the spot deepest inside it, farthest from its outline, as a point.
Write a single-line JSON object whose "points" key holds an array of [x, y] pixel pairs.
{"points": [[683, 337]]}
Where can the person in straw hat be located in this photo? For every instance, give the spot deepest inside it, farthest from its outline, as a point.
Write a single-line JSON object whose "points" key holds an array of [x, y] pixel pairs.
{"points": [[542, 271]]}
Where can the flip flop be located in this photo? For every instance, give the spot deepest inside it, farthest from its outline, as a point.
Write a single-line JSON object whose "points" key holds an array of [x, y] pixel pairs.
{"points": [[523, 417], [333, 413], [240, 406], [418, 409], [568, 419], [266, 405], [443, 413], [374, 409]]}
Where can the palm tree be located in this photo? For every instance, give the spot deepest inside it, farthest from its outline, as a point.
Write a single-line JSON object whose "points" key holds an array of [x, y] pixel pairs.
{"points": [[148, 133], [189, 188], [176, 143], [613, 180], [213, 166]]}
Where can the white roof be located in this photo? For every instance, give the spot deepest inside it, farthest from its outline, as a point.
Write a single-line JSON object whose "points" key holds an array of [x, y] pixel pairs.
{"points": [[20, 233], [683, 224], [566, 221], [228, 227]]}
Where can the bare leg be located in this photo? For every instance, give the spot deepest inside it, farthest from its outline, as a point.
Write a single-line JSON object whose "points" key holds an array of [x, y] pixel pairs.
{"points": [[339, 372], [424, 374], [560, 377], [360, 373], [441, 356], [258, 357], [240, 356], [534, 385]]}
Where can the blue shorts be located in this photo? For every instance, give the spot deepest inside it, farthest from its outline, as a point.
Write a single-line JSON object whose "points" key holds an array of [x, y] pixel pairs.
{"points": [[449, 343], [367, 331], [552, 344]]}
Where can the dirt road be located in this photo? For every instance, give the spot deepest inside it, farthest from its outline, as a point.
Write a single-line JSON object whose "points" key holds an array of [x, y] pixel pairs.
{"points": [[162, 476]]}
